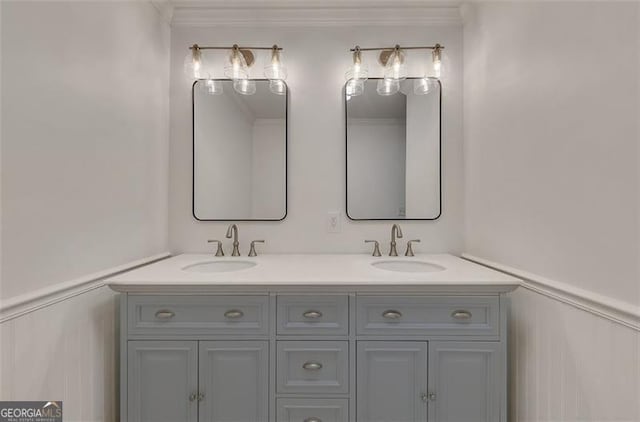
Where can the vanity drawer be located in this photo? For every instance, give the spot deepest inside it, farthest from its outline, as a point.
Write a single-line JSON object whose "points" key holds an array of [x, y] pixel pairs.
{"points": [[191, 315], [316, 315], [427, 315], [312, 367], [313, 410]]}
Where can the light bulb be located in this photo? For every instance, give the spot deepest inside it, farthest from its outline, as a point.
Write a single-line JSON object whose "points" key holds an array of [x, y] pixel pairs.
{"points": [[193, 62], [275, 70], [437, 60], [244, 86], [237, 66], [395, 68], [278, 87], [421, 86], [388, 87], [358, 71], [354, 88]]}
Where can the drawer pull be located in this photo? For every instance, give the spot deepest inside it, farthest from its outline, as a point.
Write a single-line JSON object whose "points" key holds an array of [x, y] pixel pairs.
{"points": [[391, 314], [312, 366], [313, 420], [461, 315], [234, 314], [165, 314], [312, 314]]}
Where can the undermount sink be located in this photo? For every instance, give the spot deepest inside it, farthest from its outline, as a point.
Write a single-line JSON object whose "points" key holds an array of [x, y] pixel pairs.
{"points": [[408, 266], [219, 266]]}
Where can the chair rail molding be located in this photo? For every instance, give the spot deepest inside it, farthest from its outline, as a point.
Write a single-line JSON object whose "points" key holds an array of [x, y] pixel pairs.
{"points": [[20, 305], [617, 311]]}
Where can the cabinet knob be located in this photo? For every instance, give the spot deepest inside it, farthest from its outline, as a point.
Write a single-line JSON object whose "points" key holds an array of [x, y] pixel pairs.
{"points": [[165, 314], [193, 397], [234, 314], [312, 314], [313, 420], [200, 397], [392, 314], [461, 315], [428, 397], [312, 366]]}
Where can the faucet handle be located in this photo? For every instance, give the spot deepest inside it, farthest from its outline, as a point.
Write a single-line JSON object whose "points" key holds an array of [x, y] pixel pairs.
{"points": [[376, 247], [219, 251], [409, 251], [252, 250]]}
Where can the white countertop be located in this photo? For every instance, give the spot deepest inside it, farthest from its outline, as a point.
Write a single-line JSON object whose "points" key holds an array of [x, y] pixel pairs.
{"points": [[313, 273]]}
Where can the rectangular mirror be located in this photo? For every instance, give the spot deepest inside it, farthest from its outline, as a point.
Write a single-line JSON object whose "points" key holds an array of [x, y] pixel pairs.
{"points": [[239, 153], [393, 152]]}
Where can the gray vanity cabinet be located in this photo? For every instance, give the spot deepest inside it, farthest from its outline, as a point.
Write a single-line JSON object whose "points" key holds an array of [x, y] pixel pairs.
{"points": [[162, 381], [234, 381], [392, 380], [464, 381], [342, 357]]}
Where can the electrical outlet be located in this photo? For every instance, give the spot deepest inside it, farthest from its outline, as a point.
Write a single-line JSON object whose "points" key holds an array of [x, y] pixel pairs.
{"points": [[333, 222]]}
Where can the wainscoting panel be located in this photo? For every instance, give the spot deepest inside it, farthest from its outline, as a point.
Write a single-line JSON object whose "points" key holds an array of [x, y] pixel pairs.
{"points": [[567, 364], [65, 351]]}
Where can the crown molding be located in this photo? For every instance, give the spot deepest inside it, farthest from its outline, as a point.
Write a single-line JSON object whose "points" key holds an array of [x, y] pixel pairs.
{"points": [[315, 14]]}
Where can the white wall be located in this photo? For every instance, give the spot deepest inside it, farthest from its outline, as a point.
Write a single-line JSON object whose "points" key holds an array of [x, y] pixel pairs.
{"points": [[84, 187], [84, 139], [551, 141], [377, 162], [317, 58], [552, 188]]}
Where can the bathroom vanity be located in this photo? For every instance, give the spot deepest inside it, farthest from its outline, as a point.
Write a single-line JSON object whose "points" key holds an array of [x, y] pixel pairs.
{"points": [[313, 338]]}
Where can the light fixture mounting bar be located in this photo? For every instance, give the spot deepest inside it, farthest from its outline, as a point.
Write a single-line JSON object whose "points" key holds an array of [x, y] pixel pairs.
{"points": [[231, 48], [427, 47]]}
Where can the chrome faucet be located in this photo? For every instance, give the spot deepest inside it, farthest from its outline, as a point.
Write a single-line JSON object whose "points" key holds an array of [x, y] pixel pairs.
{"points": [[233, 228], [395, 231]]}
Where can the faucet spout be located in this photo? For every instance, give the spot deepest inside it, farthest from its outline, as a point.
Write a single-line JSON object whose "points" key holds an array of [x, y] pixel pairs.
{"points": [[396, 231], [232, 230]]}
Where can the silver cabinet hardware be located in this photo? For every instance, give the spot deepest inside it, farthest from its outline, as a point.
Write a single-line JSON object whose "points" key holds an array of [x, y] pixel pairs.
{"points": [[376, 247], [193, 397], [219, 250], [233, 230], [409, 251], [432, 396], [395, 231], [461, 315], [392, 314], [252, 250], [165, 314], [312, 314], [313, 420], [312, 366], [200, 397], [233, 314], [424, 397]]}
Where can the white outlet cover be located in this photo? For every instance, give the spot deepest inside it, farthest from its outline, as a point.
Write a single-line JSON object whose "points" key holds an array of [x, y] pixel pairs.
{"points": [[333, 222]]}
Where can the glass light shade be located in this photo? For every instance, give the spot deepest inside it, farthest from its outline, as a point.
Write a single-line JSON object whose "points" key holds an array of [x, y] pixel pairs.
{"points": [[193, 63], [236, 68], [211, 86], [354, 87], [388, 87], [359, 71], [421, 86], [437, 61], [277, 86], [244, 86], [275, 70], [396, 68]]}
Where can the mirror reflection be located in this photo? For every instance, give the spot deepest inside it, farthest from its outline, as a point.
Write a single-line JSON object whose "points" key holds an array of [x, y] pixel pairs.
{"points": [[393, 150], [239, 152]]}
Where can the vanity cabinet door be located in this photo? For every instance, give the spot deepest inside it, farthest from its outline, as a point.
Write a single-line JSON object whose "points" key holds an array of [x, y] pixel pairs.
{"points": [[464, 381], [391, 381], [162, 381], [234, 381]]}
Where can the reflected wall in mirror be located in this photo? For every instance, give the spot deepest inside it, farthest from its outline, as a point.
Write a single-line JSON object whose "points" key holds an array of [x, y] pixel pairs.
{"points": [[239, 153], [393, 152]]}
